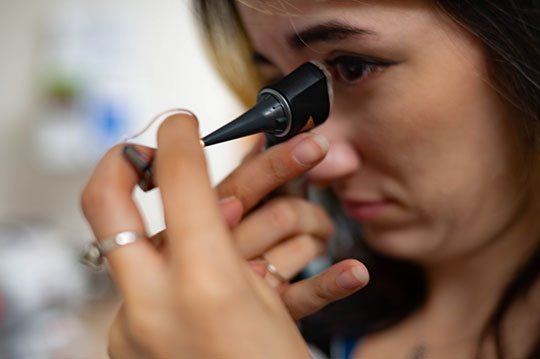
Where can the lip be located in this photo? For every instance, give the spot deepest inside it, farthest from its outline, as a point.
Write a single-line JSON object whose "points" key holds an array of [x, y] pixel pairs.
{"points": [[368, 211]]}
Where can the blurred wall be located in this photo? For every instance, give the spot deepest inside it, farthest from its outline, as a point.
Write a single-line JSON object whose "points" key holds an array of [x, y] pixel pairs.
{"points": [[144, 54], [75, 76]]}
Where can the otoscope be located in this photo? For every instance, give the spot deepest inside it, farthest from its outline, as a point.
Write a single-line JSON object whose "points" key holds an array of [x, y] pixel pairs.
{"points": [[297, 103]]}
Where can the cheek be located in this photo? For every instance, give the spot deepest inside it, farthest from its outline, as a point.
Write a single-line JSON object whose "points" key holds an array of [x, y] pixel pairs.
{"points": [[441, 132], [442, 120]]}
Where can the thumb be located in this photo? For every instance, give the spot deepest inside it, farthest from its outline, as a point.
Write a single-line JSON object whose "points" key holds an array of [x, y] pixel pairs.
{"points": [[337, 282]]}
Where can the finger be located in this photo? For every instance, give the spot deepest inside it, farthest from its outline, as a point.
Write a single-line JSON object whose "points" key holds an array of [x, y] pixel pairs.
{"points": [[273, 168], [120, 344], [196, 228], [161, 243], [231, 207], [139, 156], [108, 205], [339, 281], [141, 162], [277, 220], [232, 211], [257, 148], [293, 255], [258, 267]]}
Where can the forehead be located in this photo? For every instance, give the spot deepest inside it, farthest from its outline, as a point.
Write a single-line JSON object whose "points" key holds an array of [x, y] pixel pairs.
{"points": [[299, 7], [288, 10], [271, 23]]}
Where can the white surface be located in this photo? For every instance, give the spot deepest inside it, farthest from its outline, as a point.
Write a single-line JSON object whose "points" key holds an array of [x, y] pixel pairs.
{"points": [[166, 68]]}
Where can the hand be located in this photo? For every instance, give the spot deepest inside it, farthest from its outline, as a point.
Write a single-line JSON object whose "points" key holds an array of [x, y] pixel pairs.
{"points": [[161, 291], [204, 301], [289, 232]]}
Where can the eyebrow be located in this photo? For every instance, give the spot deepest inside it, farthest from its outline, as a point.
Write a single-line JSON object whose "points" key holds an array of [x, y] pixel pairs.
{"points": [[328, 31], [332, 30]]}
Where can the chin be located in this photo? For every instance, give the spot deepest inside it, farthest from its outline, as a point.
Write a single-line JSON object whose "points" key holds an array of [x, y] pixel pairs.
{"points": [[402, 243]]}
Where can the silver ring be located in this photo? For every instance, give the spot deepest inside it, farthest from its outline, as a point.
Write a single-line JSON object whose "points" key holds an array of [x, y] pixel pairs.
{"points": [[94, 254], [272, 269]]}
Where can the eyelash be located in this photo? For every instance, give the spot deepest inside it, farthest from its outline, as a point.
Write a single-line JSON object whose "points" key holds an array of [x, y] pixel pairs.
{"points": [[360, 67], [336, 67]]}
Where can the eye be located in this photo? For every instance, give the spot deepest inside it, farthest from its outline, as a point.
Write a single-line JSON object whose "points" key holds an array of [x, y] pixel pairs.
{"points": [[352, 69]]}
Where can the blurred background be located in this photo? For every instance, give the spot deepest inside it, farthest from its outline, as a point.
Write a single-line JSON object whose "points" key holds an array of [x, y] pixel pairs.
{"points": [[76, 77]]}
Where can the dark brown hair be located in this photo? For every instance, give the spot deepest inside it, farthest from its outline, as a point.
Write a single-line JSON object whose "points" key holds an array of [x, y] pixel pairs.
{"points": [[510, 33]]}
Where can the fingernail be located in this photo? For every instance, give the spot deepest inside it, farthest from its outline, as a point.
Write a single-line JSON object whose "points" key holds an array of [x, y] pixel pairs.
{"points": [[167, 113], [352, 278], [226, 200], [135, 157], [258, 267], [310, 150]]}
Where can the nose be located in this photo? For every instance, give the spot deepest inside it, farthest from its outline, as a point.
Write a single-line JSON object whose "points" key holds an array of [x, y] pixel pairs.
{"points": [[342, 159]]}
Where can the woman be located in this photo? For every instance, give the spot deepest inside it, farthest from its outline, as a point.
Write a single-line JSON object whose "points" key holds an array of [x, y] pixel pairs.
{"points": [[433, 149]]}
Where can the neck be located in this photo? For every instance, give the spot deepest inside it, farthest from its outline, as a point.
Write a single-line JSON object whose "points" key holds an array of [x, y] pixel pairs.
{"points": [[467, 289], [473, 286]]}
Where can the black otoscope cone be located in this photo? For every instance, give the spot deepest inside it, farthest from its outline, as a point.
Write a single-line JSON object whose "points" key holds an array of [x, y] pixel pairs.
{"points": [[266, 116], [296, 103]]}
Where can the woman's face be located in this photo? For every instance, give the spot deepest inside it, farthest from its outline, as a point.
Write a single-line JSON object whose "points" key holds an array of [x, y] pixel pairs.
{"points": [[423, 152]]}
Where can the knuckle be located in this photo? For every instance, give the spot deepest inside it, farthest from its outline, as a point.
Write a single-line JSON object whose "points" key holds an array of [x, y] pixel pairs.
{"points": [[302, 244], [117, 342], [99, 191], [284, 214], [321, 294], [86, 199], [230, 186], [250, 156], [324, 221], [206, 300], [93, 198], [142, 324], [278, 170], [310, 245], [140, 314], [197, 290]]}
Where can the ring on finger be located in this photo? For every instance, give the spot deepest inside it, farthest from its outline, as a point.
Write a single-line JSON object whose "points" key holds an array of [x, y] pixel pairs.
{"points": [[272, 269], [94, 254]]}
